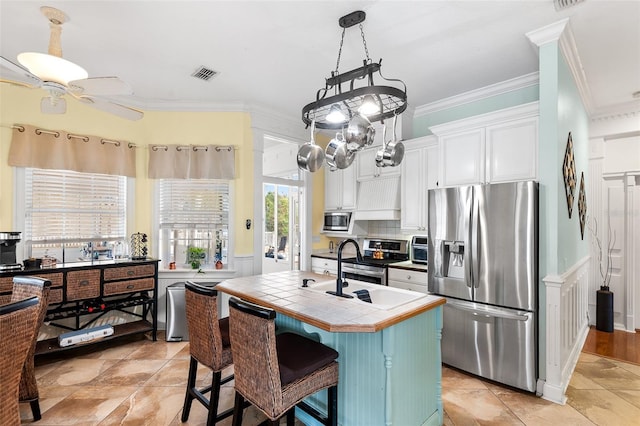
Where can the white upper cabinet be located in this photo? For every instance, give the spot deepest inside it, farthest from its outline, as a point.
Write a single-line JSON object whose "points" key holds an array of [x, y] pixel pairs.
{"points": [[512, 150], [501, 146], [461, 156], [340, 189], [419, 173]]}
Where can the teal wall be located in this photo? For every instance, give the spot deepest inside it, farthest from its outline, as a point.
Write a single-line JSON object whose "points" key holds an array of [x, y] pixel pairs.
{"points": [[525, 95], [561, 112]]}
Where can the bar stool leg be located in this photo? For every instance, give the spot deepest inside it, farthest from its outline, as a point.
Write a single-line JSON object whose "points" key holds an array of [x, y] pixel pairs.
{"points": [[213, 400], [191, 383], [291, 417], [35, 409], [332, 403], [238, 407]]}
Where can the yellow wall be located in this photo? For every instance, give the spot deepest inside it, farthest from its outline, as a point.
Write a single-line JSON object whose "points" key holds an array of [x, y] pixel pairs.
{"points": [[22, 106]]}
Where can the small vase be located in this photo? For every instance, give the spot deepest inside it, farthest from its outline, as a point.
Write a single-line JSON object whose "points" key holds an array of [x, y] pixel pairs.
{"points": [[219, 264]]}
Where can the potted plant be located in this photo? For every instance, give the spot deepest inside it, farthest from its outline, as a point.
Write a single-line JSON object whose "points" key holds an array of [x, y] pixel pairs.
{"points": [[195, 256]]}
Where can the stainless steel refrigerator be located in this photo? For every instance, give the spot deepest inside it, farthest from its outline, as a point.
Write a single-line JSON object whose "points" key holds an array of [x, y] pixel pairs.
{"points": [[483, 257]]}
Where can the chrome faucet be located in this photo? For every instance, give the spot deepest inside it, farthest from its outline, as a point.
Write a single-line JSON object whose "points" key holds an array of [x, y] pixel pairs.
{"points": [[339, 281]]}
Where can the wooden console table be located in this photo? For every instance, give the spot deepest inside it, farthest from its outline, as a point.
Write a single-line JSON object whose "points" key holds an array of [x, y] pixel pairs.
{"points": [[81, 293]]}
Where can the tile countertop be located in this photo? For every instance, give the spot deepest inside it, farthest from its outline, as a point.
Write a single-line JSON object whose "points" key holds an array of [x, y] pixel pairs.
{"points": [[282, 292]]}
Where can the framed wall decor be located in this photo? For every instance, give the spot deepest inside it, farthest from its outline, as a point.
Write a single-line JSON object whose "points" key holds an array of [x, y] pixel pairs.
{"points": [[582, 205], [569, 173]]}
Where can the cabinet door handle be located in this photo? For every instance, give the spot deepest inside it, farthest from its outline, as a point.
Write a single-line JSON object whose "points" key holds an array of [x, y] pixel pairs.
{"points": [[408, 277], [130, 286], [130, 272], [83, 282]]}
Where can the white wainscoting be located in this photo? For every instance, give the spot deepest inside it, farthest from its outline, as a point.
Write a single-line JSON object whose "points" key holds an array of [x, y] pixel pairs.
{"points": [[567, 325]]}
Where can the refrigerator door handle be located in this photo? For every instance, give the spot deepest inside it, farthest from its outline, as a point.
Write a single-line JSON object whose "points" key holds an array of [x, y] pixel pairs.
{"points": [[468, 271], [474, 231], [487, 312]]}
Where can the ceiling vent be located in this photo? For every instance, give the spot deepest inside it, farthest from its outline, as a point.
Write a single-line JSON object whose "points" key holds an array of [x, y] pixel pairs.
{"points": [[563, 4], [204, 73]]}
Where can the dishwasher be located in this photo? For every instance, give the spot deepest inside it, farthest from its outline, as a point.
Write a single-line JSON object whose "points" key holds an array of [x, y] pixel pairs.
{"points": [[176, 329]]}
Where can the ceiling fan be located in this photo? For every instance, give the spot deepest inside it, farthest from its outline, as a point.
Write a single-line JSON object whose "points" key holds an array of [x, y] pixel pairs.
{"points": [[59, 76]]}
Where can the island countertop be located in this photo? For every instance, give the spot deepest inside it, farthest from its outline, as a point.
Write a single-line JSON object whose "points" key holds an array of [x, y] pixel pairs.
{"points": [[282, 292]]}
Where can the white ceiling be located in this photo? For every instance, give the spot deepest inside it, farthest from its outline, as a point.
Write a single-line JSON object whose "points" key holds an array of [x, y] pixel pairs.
{"points": [[276, 54]]}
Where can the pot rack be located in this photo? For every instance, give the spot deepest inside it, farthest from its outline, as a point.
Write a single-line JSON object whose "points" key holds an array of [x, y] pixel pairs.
{"points": [[390, 101]]}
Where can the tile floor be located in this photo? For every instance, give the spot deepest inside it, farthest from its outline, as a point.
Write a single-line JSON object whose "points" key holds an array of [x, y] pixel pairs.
{"points": [[142, 383]]}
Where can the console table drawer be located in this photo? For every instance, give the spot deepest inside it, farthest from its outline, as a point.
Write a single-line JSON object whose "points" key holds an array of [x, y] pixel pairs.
{"points": [[130, 286], [127, 272], [83, 284]]}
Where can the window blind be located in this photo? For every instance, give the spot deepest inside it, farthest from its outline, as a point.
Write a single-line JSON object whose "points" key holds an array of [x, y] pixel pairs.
{"points": [[64, 206], [193, 203]]}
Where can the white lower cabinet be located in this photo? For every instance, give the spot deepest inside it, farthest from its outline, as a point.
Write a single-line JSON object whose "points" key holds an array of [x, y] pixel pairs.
{"points": [[419, 173], [407, 279], [323, 266]]}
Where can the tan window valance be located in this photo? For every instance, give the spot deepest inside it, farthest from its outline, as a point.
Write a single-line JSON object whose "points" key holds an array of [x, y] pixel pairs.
{"points": [[191, 162], [60, 150]]}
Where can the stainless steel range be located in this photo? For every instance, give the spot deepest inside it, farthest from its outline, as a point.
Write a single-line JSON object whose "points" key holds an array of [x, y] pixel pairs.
{"points": [[376, 255]]}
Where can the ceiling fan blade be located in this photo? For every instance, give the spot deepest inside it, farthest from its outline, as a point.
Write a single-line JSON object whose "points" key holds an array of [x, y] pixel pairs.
{"points": [[112, 107], [100, 86], [14, 73]]}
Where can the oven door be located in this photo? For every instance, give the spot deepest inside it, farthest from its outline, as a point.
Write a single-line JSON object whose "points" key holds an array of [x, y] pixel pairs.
{"points": [[366, 273]]}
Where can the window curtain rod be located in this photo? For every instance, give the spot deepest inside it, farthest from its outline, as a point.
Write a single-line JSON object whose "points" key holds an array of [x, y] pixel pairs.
{"points": [[70, 136]]}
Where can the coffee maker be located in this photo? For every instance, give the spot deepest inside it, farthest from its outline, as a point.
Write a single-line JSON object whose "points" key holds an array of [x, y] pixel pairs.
{"points": [[8, 241]]}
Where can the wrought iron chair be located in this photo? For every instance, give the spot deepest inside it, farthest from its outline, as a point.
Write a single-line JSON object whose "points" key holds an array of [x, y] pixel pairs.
{"points": [[276, 372]]}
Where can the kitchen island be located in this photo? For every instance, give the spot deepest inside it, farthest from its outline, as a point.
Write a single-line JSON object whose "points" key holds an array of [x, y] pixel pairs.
{"points": [[390, 362]]}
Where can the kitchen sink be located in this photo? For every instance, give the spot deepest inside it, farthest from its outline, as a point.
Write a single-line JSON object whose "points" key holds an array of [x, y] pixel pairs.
{"points": [[382, 297]]}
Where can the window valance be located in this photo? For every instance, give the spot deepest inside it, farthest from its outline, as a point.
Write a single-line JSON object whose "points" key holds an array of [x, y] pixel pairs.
{"points": [[61, 150], [191, 162]]}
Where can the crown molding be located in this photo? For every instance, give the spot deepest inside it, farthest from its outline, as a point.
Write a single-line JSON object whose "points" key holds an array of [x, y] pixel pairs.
{"points": [[506, 86], [561, 33], [548, 33], [617, 112]]}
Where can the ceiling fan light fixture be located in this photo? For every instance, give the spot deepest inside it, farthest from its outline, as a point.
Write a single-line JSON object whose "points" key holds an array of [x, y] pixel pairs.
{"points": [[335, 114], [52, 68]]}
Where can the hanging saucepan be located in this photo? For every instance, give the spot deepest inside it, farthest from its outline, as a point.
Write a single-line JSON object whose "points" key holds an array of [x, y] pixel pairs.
{"points": [[337, 154], [359, 133], [310, 155], [392, 152]]}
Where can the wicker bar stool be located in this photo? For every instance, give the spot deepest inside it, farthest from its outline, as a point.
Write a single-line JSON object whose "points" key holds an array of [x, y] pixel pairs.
{"points": [[276, 372], [24, 287], [17, 328], [208, 345]]}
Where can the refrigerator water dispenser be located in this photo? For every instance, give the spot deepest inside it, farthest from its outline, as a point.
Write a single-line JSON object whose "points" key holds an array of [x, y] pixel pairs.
{"points": [[453, 257]]}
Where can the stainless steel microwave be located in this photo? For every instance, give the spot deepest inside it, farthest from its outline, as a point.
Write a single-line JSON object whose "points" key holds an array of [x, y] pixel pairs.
{"points": [[336, 221], [419, 252]]}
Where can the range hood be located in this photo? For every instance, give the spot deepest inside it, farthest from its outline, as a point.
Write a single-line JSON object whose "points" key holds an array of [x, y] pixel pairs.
{"points": [[378, 199]]}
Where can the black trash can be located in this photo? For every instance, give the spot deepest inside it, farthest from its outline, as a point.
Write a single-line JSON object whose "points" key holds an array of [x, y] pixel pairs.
{"points": [[604, 310]]}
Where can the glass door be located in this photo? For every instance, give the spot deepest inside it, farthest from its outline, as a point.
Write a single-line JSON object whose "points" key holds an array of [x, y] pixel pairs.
{"points": [[281, 207]]}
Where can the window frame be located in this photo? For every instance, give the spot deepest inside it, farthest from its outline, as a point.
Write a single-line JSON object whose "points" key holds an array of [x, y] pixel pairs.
{"points": [[20, 208], [155, 232]]}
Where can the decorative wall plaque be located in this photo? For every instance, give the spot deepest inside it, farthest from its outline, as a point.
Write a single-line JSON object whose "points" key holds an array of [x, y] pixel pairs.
{"points": [[582, 205], [569, 173]]}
